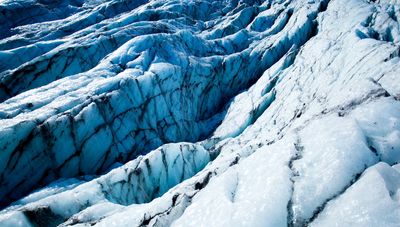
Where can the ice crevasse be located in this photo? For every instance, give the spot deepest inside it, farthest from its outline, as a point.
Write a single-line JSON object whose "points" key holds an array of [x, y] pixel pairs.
{"points": [[199, 113]]}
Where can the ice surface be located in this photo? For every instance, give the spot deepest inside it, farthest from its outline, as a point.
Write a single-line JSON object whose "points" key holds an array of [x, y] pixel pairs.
{"points": [[372, 201], [199, 113]]}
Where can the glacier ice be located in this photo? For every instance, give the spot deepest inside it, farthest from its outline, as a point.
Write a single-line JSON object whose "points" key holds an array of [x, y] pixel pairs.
{"points": [[373, 200], [199, 113]]}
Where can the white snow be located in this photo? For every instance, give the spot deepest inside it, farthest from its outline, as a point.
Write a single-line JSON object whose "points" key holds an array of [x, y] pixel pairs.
{"points": [[200, 113]]}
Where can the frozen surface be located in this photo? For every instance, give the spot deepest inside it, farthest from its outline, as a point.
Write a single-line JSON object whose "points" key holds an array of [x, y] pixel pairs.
{"points": [[372, 201], [199, 113]]}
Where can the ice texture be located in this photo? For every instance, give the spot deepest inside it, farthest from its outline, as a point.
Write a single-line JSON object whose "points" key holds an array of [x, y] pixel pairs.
{"points": [[199, 113]]}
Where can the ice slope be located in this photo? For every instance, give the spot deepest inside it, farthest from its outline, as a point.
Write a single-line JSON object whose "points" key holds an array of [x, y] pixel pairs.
{"points": [[168, 86], [289, 109]]}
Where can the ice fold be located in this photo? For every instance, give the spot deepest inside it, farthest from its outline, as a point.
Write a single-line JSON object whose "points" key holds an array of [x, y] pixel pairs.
{"points": [[200, 113]]}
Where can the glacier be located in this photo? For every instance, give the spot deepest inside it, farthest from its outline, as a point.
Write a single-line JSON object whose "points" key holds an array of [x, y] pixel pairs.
{"points": [[199, 113]]}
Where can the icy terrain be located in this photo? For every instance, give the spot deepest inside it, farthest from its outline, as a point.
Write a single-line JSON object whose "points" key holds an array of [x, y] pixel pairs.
{"points": [[200, 113]]}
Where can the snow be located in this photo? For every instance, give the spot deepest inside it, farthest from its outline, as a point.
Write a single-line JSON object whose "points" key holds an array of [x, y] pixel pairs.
{"points": [[138, 181], [246, 193], [199, 113], [372, 200]]}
